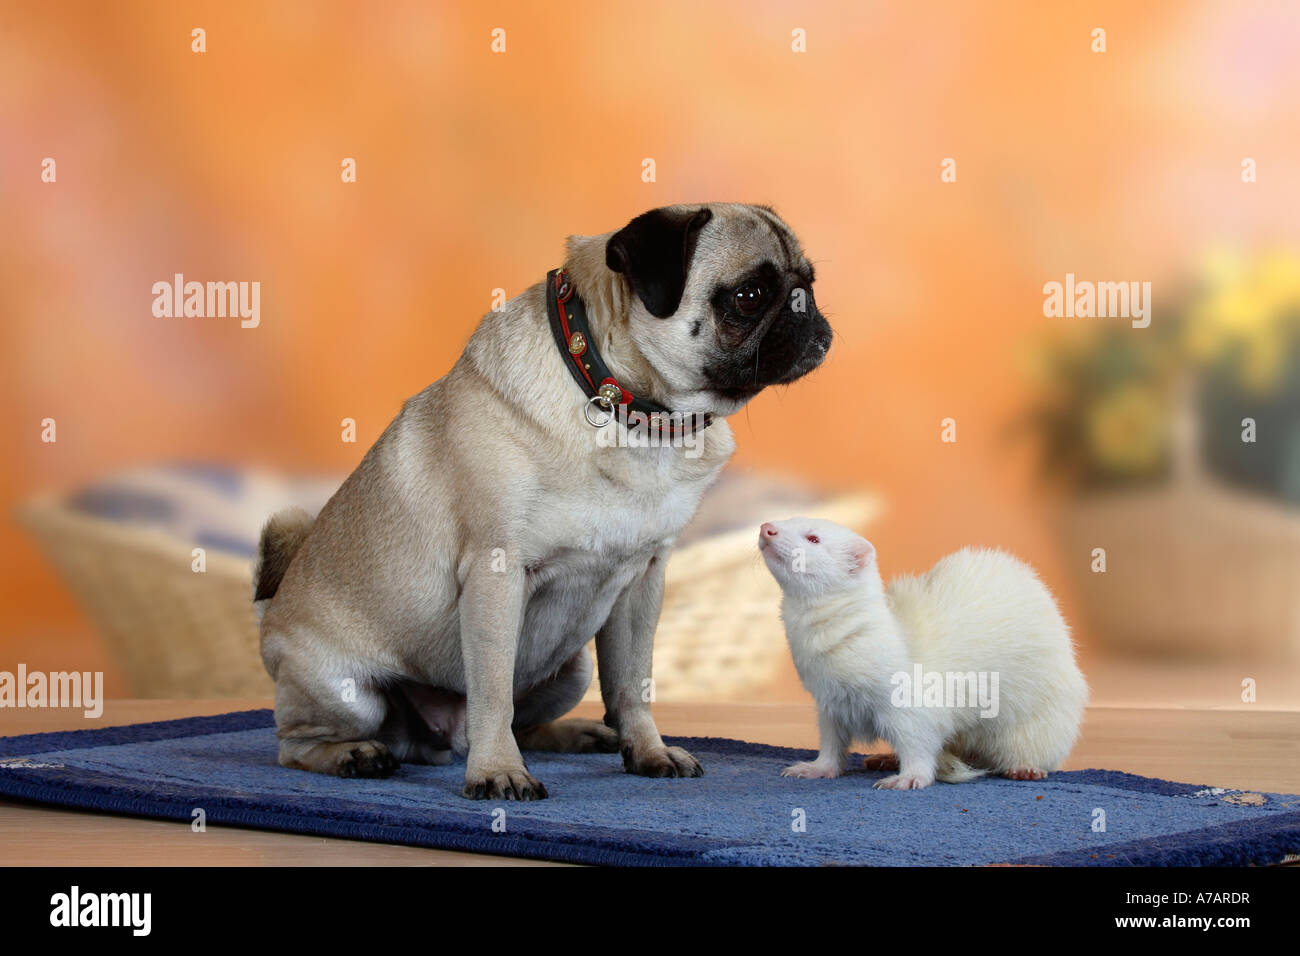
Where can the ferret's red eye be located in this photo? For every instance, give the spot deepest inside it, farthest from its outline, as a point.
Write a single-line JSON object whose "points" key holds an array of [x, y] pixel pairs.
{"points": [[814, 539]]}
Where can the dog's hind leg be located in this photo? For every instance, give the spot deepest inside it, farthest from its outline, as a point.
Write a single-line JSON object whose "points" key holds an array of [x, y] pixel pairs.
{"points": [[332, 726], [537, 725]]}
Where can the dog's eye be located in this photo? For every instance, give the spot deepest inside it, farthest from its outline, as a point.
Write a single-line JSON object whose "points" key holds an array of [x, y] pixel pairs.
{"points": [[814, 539], [749, 299]]}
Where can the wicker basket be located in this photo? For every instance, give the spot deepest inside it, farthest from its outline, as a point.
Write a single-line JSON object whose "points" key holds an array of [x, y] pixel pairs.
{"points": [[175, 632], [179, 633], [1193, 568]]}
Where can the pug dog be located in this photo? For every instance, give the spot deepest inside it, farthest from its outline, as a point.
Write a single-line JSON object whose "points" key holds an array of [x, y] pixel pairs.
{"points": [[442, 601]]}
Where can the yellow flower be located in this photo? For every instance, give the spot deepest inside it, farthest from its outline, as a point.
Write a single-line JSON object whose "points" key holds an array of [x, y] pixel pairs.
{"points": [[1249, 310], [1127, 430]]}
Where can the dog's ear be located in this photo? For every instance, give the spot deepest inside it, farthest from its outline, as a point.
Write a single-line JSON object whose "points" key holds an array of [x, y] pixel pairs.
{"points": [[654, 251]]}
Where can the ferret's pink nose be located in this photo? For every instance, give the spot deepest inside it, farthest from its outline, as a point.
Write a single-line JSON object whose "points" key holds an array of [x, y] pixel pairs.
{"points": [[768, 530]]}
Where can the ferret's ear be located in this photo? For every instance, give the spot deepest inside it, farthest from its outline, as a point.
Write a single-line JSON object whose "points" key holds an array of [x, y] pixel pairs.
{"points": [[863, 553]]}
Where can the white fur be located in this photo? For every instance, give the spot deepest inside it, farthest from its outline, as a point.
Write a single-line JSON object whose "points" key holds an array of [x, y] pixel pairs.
{"points": [[975, 611]]}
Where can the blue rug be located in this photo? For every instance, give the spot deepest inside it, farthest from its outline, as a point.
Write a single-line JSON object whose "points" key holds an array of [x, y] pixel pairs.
{"points": [[741, 813]]}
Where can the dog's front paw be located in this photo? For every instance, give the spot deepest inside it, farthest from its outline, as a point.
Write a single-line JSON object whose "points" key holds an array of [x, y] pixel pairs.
{"points": [[811, 770], [885, 762], [665, 762], [516, 784]]}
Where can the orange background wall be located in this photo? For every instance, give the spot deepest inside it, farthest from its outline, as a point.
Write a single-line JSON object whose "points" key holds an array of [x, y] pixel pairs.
{"points": [[473, 166]]}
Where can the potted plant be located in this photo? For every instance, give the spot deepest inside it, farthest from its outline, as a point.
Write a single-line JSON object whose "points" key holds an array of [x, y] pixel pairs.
{"points": [[1179, 449]]}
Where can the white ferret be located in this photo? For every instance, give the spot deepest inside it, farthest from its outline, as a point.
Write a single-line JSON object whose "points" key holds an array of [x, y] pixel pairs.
{"points": [[965, 670]]}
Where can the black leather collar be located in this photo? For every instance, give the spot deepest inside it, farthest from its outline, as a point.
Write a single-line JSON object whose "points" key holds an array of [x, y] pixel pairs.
{"points": [[577, 347]]}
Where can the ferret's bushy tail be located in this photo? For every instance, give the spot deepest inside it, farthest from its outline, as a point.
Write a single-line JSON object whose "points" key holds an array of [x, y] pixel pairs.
{"points": [[953, 769], [282, 536]]}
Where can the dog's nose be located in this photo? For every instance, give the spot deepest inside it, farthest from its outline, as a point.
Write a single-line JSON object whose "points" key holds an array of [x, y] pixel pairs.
{"points": [[768, 530]]}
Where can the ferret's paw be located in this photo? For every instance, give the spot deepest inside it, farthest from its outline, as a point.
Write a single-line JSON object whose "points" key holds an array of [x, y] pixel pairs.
{"points": [[902, 782], [880, 762], [811, 770], [1025, 773]]}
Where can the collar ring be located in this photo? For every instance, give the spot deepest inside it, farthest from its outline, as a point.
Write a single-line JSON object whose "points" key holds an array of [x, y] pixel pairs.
{"points": [[605, 405]]}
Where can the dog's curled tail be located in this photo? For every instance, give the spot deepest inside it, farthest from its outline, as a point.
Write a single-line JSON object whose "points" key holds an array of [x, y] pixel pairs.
{"points": [[953, 769], [282, 536]]}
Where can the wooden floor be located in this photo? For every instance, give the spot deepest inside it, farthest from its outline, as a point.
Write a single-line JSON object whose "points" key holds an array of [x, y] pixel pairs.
{"points": [[1241, 749]]}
